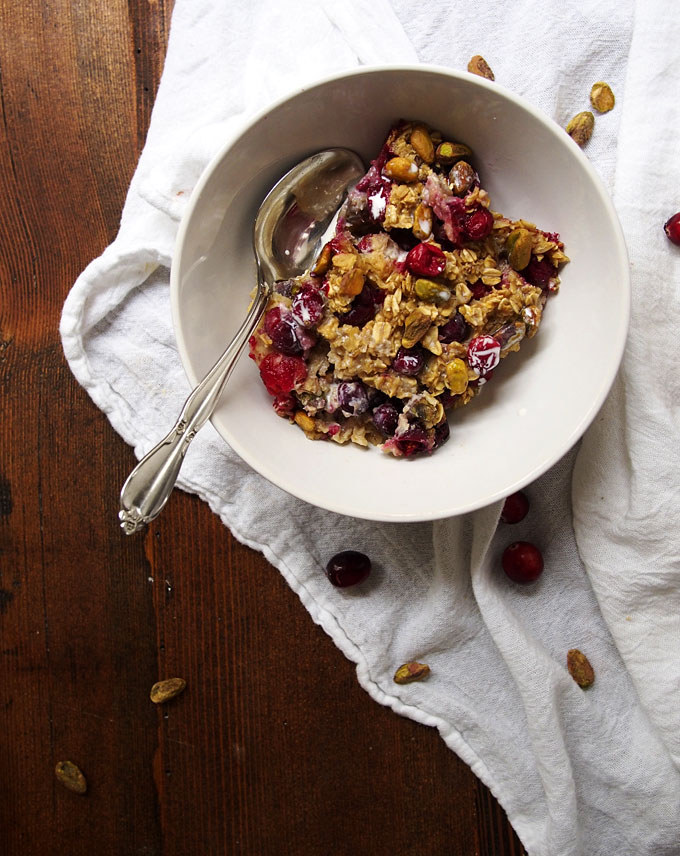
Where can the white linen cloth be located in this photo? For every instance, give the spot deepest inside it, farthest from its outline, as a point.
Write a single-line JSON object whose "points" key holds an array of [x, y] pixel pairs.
{"points": [[595, 772]]}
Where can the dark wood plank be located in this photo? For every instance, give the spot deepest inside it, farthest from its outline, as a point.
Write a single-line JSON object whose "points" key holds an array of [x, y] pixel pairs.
{"points": [[273, 748]]}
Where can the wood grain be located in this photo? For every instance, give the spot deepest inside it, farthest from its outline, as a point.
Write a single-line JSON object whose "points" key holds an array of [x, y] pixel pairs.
{"points": [[273, 748]]}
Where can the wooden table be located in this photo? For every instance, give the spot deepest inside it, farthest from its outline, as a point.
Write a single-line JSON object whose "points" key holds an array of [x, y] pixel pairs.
{"points": [[273, 749]]}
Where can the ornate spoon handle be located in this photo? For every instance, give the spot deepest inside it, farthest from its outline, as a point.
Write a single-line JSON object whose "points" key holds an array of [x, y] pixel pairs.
{"points": [[147, 488]]}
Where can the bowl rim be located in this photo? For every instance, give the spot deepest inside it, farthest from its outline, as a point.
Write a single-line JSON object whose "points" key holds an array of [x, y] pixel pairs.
{"points": [[250, 120]]}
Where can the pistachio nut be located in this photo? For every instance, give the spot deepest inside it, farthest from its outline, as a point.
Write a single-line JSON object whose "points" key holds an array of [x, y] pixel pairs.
{"points": [[428, 409], [448, 153], [422, 144], [305, 422], [71, 777], [401, 169], [479, 66], [457, 376], [422, 221], [323, 261], [417, 324], [580, 669], [352, 283], [602, 97], [461, 177], [163, 691], [431, 292], [518, 245], [411, 672], [580, 128]]}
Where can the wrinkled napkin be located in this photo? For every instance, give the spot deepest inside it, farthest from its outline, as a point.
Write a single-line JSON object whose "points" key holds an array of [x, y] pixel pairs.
{"points": [[578, 772]]}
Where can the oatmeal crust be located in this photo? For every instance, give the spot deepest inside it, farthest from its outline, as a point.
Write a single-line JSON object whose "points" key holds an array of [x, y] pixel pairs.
{"points": [[474, 278]]}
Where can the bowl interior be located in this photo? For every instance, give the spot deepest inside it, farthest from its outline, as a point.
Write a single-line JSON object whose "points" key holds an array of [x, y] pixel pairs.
{"points": [[540, 400]]}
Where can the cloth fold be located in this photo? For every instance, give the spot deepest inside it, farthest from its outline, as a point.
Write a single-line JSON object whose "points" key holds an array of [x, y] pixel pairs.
{"points": [[579, 773]]}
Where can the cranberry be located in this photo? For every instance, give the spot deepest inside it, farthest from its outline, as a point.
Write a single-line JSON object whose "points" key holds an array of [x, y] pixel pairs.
{"points": [[357, 219], [449, 209], [539, 272], [341, 242], [370, 180], [442, 432], [515, 508], [484, 353], [457, 210], [352, 398], [409, 361], [279, 325], [281, 373], [384, 155], [386, 417], [308, 306], [364, 306], [284, 287], [371, 293], [358, 315], [455, 330], [426, 260], [404, 239], [377, 189], [375, 397], [478, 225], [284, 404], [554, 237], [447, 399], [522, 562], [414, 440], [672, 228], [348, 568], [479, 290], [441, 232], [306, 338], [378, 199]]}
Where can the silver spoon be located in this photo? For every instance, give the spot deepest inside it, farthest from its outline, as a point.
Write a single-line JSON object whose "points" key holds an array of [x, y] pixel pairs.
{"points": [[290, 228]]}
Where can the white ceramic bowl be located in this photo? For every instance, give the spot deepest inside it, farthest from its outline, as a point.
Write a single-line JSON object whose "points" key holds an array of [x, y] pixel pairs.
{"points": [[540, 401]]}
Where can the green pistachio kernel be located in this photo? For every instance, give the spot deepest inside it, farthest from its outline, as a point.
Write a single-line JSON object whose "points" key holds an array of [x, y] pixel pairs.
{"points": [[431, 292], [519, 246]]}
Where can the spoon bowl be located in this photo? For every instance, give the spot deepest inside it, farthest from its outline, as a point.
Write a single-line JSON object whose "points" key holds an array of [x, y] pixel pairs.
{"points": [[297, 214], [291, 225]]}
